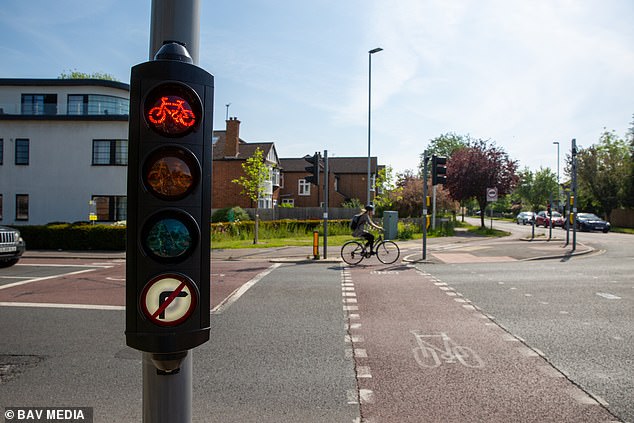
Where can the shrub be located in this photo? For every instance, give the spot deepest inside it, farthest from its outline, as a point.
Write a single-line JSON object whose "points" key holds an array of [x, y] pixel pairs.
{"points": [[77, 236], [230, 214]]}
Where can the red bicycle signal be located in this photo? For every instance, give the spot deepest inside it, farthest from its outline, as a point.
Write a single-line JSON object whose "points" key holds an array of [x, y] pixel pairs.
{"points": [[172, 110], [173, 115]]}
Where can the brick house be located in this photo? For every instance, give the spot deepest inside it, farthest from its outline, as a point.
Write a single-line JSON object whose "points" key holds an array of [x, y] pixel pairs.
{"points": [[348, 180], [229, 152]]}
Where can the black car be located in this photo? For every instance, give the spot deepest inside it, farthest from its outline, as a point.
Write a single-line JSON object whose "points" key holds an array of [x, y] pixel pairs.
{"points": [[12, 246], [591, 222]]}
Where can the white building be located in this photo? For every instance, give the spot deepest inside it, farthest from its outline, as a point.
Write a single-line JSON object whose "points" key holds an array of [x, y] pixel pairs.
{"points": [[63, 150]]}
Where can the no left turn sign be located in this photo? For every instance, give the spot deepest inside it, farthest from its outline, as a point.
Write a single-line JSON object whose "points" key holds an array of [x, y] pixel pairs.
{"points": [[169, 299]]}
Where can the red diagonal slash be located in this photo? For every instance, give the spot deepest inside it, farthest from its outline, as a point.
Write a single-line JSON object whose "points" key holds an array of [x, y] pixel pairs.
{"points": [[169, 300]]}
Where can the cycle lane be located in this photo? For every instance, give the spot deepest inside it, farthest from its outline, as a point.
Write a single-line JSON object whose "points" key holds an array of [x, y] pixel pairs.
{"points": [[424, 353]]}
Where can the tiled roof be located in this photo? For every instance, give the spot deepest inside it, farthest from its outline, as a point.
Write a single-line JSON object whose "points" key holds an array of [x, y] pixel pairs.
{"points": [[245, 150]]}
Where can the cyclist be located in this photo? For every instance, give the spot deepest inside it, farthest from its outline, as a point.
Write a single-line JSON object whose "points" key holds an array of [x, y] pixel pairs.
{"points": [[365, 219]]}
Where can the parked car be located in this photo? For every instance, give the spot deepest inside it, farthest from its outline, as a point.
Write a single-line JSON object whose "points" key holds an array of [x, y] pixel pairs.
{"points": [[12, 246], [591, 222], [543, 219], [525, 218]]}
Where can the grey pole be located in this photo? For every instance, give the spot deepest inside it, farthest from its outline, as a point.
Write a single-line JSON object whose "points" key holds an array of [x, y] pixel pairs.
{"points": [[574, 194], [167, 382], [558, 186], [370, 53], [167, 397], [175, 20], [326, 204], [425, 211]]}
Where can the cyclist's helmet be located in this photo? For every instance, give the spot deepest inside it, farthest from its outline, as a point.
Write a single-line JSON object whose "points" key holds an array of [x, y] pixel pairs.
{"points": [[369, 207]]}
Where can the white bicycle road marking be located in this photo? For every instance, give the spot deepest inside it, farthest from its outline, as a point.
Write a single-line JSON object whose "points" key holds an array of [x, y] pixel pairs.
{"points": [[436, 349]]}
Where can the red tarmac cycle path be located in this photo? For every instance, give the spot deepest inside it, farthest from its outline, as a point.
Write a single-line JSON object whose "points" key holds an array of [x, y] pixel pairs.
{"points": [[397, 315], [102, 282]]}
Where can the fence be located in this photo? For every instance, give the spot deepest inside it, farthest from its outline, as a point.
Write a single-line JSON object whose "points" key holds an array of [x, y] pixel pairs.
{"points": [[302, 213], [623, 218]]}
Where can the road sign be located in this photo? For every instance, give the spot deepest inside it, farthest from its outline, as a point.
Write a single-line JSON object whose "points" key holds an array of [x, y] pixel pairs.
{"points": [[492, 194], [169, 299]]}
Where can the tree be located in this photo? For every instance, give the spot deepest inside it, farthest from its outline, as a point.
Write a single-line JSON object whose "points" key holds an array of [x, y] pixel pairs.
{"points": [[75, 74], [408, 195], [536, 189], [256, 173], [444, 145], [603, 170], [476, 167], [384, 199]]}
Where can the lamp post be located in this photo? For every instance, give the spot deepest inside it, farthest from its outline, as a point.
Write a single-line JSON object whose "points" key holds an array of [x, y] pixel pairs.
{"points": [[370, 53], [558, 186]]}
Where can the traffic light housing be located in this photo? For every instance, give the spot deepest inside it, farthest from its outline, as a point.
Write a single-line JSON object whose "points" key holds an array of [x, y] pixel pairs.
{"points": [[169, 203], [313, 169], [438, 170]]}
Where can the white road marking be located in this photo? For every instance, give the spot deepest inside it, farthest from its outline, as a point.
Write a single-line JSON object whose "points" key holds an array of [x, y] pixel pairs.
{"points": [[72, 306], [608, 296], [11, 285], [363, 372], [235, 295]]}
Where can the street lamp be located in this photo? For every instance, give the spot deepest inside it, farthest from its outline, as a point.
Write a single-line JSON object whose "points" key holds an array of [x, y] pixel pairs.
{"points": [[558, 186], [370, 53]]}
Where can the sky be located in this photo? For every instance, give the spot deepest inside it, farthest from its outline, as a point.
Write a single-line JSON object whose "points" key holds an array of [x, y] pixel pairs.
{"points": [[522, 74]]}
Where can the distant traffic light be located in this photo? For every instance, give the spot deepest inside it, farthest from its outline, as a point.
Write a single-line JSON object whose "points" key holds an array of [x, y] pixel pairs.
{"points": [[169, 203], [313, 169], [438, 170]]}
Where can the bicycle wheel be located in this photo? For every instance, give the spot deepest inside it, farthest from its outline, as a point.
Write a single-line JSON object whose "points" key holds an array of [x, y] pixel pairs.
{"points": [[352, 252], [387, 252]]}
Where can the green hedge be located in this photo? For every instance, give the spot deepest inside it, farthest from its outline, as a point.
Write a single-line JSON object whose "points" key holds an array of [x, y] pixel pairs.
{"points": [[287, 228], [84, 236], [66, 236]]}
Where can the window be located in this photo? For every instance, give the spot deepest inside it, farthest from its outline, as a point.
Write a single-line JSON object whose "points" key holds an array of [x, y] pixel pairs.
{"points": [[265, 202], [275, 176], [289, 201], [22, 207], [93, 104], [21, 151], [110, 208], [110, 152], [39, 104], [304, 187]]}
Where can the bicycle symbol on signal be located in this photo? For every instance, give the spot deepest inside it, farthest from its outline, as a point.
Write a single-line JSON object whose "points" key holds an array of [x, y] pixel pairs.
{"points": [[175, 110]]}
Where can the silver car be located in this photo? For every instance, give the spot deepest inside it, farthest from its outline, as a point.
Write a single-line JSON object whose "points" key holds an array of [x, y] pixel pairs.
{"points": [[525, 218], [12, 246]]}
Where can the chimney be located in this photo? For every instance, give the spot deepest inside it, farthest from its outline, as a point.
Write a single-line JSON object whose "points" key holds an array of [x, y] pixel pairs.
{"points": [[232, 137]]}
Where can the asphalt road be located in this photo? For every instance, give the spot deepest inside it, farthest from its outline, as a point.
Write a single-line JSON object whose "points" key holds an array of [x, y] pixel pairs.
{"points": [[579, 312], [466, 336]]}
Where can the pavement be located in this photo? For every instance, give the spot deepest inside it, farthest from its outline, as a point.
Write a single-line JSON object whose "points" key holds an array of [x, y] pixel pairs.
{"points": [[462, 248]]}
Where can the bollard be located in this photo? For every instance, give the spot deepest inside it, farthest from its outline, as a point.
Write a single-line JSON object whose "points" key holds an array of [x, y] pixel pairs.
{"points": [[315, 245]]}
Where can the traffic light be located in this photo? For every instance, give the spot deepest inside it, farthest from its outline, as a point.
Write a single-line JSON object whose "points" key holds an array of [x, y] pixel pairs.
{"points": [[313, 169], [438, 170], [169, 203]]}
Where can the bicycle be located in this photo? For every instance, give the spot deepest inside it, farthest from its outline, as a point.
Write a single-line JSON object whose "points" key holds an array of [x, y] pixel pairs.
{"points": [[352, 252]]}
